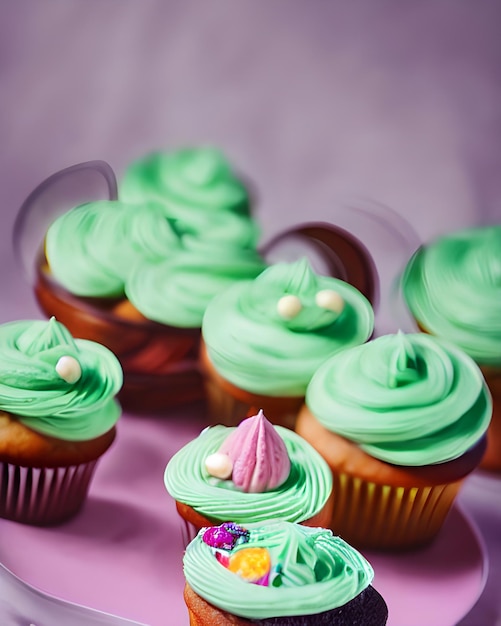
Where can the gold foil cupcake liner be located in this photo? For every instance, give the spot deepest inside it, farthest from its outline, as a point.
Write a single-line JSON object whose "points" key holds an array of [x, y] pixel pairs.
{"points": [[374, 516]]}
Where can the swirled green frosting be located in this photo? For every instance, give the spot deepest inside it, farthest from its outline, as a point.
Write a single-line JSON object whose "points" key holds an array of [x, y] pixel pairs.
{"points": [[180, 234], [405, 399], [453, 288], [299, 498], [254, 347], [194, 181], [318, 572], [93, 248], [178, 289], [31, 388]]}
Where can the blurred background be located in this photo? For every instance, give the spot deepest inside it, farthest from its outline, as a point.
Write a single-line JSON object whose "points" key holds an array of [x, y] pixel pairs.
{"points": [[393, 103]]}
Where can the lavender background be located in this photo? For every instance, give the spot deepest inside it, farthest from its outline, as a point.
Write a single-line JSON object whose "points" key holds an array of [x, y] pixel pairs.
{"points": [[315, 100]]}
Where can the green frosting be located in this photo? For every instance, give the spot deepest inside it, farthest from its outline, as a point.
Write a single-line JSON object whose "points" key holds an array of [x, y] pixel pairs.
{"points": [[31, 388], [254, 347], [318, 572], [299, 498], [453, 289], [93, 248], [195, 184], [405, 399], [177, 290], [180, 233]]}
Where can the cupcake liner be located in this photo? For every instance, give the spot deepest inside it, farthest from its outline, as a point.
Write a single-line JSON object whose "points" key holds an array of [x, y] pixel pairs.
{"points": [[381, 516], [492, 457], [43, 496]]}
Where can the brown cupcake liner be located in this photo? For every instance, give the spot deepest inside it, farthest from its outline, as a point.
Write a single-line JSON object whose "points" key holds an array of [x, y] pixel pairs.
{"points": [[369, 515], [43, 496]]}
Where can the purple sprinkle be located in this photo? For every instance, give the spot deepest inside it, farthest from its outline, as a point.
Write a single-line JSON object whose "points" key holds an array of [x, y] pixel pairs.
{"points": [[236, 530], [218, 537]]}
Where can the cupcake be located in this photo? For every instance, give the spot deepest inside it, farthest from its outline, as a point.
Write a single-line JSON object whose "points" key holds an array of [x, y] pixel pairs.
{"points": [[401, 422], [136, 274], [57, 418], [253, 472], [278, 574], [453, 290], [264, 338]]}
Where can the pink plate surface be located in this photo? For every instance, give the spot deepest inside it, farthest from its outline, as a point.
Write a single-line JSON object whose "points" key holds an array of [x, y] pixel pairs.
{"points": [[123, 553], [436, 586]]}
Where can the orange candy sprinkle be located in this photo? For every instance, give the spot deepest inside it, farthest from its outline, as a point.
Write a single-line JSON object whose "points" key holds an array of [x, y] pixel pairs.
{"points": [[251, 564]]}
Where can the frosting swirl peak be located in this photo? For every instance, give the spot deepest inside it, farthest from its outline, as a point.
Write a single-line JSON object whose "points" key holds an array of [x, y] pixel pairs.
{"points": [[405, 399], [72, 400], [262, 346]]}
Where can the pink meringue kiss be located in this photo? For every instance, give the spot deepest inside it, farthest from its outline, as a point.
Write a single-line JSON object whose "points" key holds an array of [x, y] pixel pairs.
{"points": [[259, 456]]}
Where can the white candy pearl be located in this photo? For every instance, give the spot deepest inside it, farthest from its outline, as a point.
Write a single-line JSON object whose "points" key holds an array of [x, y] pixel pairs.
{"points": [[69, 369], [219, 465], [330, 300], [289, 306]]}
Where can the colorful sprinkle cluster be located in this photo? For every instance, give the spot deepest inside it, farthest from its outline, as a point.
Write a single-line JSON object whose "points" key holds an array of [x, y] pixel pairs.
{"points": [[251, 564], [226, 536]]}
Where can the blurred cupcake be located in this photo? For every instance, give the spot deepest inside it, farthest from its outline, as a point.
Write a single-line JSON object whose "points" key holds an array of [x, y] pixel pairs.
{"points": [[136, 274], [401, 421], [453, 289], [255, 472], [263, 339], [198, 185], [57, 418], [278, 574]]}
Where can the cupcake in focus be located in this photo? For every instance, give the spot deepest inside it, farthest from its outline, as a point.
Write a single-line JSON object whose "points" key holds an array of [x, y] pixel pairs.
{"points": [[401, 421], [57, 418], [452, 288], [278, 574], [136, 274], [264, 338], [253, 472]]}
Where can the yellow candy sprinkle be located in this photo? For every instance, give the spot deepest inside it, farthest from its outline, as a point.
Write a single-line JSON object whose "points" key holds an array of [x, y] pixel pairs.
{"points": [[251, 564]]}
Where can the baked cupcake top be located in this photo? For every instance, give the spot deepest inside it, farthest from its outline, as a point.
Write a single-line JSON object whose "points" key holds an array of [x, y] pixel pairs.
{"points": [[270, 334], [453, 289], [180, 234], [405, 399], [274, 570], [255, 471], [57, 385]]}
